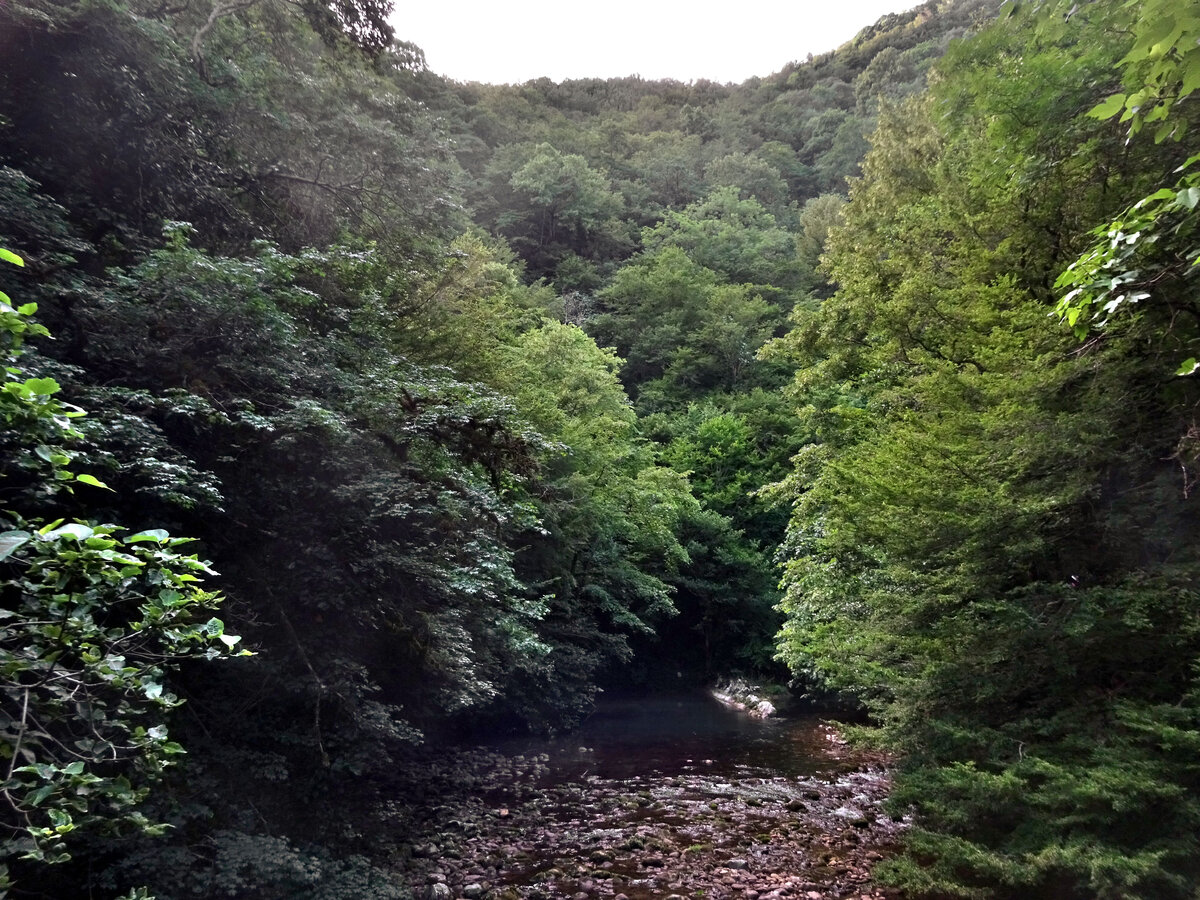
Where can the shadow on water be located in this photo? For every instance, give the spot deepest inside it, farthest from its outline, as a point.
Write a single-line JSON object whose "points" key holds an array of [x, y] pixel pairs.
{"points": [[683, 734]]}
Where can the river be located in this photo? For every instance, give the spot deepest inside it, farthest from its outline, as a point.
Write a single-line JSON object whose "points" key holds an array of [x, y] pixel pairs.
{"points": [[665, 797]]}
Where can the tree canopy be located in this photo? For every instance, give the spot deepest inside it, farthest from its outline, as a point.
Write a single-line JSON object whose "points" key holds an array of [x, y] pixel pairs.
{"points": [[876, 373]]}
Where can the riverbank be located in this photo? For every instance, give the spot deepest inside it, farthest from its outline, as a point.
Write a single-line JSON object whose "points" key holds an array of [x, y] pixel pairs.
{"points": [[533, 826]]}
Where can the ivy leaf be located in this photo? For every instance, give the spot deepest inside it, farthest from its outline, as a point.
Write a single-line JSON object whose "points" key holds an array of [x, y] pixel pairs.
{"points": [[93, 481], [1188, 366], [1188, 197], [42, 386], [10, 541], [1108, 107], [72, 529], [36, 797], [9, 256], [158, 535]]}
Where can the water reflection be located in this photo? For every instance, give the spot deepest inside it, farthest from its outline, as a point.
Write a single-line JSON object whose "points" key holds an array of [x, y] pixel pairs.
{"points": [[679, 735]]}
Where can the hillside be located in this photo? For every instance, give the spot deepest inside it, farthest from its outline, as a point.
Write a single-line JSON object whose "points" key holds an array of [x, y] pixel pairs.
{"points": [[871, 375]]}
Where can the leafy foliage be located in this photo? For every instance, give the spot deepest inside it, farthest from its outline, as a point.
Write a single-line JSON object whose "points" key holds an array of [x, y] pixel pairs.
{"points": [[459, 478], [90, 625], [985, 548]]}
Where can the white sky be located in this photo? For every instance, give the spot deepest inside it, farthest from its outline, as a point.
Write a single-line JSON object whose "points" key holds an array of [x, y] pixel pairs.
{"points": [[512, 41]]}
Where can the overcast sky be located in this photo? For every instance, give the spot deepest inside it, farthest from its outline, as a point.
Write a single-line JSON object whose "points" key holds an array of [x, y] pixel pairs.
{"points": [[508, 41]]}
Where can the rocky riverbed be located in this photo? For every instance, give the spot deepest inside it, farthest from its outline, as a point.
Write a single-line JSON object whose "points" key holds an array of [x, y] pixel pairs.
{"points": [[531, 827]]}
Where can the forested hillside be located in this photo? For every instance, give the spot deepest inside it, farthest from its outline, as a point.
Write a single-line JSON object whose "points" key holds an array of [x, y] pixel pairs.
{"points": [[475, 400]]}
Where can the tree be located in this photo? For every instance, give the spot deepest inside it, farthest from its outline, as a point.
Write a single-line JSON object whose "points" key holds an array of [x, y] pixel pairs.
{"points": [[91, 626], [987, 551], [736, 237], [1148, 250], [569, 204]]}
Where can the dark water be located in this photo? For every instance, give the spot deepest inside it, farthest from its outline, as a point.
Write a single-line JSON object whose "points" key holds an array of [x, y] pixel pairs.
{"points": [[665, 797], [685, 734]]}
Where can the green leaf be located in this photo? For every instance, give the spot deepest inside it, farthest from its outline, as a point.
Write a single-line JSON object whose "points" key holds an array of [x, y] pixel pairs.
{"points": [[157, 535], [1188, 197], [72, 529], [11, 540], [1108, 107], [169, 598], [93, 481], [75, 768], [228, 639], [1188, 366], [42, 386], [9, 256]]}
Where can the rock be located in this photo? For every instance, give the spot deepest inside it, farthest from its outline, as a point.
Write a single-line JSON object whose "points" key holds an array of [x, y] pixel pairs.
{"points": [[439, 891], [472, 891], [736, 864], [653, 862]]}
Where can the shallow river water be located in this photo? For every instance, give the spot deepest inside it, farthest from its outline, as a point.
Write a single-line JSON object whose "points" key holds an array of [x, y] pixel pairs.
{"points": [[677, 734], [668, 797]]}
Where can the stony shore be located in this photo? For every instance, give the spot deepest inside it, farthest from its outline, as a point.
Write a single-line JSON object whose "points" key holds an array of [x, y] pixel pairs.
{"points": [[516, 832]]}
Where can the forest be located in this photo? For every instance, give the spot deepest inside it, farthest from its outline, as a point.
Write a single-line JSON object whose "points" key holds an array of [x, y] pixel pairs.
{"points": [[352, 413]]}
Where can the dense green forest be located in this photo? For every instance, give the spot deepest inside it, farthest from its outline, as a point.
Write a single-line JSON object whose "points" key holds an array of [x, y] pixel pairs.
{"points": [[875, 374]]}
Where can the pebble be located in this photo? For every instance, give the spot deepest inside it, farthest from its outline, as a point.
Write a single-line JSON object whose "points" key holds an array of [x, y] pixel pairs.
{"points": [[678, 837]]}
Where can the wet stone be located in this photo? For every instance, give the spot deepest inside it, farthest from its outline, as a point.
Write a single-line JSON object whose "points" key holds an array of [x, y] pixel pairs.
{"points": [[708, 830]]}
